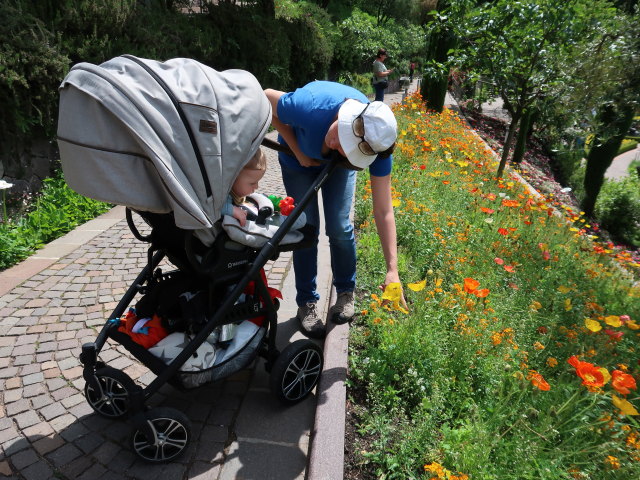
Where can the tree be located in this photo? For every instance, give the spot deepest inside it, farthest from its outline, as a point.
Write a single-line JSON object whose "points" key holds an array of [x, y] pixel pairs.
{"points": [[522, 47], [441, 39], [621, 97]]}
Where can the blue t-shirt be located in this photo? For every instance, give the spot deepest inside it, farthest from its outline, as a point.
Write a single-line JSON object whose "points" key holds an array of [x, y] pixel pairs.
{"points": [[310, 111]]}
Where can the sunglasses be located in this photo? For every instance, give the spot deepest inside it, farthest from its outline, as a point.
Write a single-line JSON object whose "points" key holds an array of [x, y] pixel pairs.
{"points": [[358, 130]]}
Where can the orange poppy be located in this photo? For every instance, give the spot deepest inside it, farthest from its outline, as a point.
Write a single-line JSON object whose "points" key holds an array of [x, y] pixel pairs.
{"points": [[486, 210], [538, 381], [510, 268], [471, 285], [510, 203], [503, 231], [481, 293], [592, 376], [622, 382]]}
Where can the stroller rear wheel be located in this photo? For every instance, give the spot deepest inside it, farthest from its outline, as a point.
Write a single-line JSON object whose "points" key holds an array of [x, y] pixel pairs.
{"points": [[113, 401], [170, 432], [296, 371]]}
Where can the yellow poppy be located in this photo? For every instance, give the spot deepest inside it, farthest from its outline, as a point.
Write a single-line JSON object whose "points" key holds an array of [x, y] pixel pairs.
{"points": [[418, 286], [625, 407], [613, 320], [592, 325]]}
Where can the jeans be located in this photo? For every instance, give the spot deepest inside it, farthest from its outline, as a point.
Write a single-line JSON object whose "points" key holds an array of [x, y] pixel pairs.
{"points": [[337, 197], [379, 91]]}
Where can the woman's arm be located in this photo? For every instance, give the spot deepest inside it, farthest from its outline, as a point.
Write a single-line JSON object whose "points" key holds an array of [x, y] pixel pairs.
{"points": [[383, 73], [386, 226], [286, 131]]}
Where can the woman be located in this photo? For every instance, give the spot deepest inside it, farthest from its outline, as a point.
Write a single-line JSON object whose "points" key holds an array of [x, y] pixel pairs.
{"points": [[315, 121], [380, 75]]}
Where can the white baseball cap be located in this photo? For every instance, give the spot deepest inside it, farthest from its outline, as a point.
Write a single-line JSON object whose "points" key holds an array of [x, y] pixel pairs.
{"points": [[380, 130]]}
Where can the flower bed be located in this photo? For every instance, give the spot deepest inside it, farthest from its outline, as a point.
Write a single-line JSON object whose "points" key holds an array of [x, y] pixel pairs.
{"points": [[517, 357]]}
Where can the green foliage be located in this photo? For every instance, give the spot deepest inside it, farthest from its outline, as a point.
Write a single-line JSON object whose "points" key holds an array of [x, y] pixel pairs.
{"points": [[312, 36], [618, 209], [31, 67], [452, 381], [360, 37], [627, 145], [359, 81], [56, 211]]}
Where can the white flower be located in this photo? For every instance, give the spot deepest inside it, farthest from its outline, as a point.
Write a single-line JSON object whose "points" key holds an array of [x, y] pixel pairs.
{"points": [[4, 185], [566, 190]]}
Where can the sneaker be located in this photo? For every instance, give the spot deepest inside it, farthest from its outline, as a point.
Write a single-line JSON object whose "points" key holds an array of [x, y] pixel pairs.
{"points": [[343, 311], [310, 321]]}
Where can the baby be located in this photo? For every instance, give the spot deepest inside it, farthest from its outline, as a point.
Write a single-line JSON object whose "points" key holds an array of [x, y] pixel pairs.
{"points": [[245, 184]]}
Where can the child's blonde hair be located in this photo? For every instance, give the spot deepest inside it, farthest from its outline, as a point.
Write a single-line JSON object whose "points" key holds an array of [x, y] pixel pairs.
{"points": [[257, 162]]}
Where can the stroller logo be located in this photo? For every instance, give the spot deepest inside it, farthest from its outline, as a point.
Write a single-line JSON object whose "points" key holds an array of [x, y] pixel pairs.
{"points": [[235, 264], [208, 126]]}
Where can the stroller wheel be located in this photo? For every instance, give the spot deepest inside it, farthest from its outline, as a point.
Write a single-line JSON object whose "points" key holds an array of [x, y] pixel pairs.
{"points": [[296, 371], [170, 435], [113, 401]]}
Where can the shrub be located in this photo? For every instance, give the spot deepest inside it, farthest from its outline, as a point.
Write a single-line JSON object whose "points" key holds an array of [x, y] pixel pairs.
{"points": [[57, 210], [358, 81], [360, 38], [627, 145], [618, 209], [31, 67]]}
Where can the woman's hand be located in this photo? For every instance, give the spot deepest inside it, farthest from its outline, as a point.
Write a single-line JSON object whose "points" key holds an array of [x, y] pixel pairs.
{"points": [[306, 161], [393, 277]]}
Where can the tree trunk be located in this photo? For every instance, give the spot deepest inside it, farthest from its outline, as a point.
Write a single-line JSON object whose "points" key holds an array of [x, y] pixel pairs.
{"points": [[604, 151], [523, 133], [507, 145], [434, 87]]}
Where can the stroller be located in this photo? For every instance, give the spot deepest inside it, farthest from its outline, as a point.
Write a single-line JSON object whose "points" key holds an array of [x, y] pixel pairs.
{"points": [[167, 140]]}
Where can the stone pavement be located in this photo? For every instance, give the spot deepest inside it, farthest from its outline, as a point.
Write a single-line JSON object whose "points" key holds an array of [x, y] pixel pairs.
{"points": [[60, 298]]}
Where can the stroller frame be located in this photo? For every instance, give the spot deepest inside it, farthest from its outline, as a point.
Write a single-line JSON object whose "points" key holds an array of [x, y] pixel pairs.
{"points": [[167, 140], [147, 438]]}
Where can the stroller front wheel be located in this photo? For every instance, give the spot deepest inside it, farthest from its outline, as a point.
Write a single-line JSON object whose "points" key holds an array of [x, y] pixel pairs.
{"points": [[114, 399], [165, 437], [296, 371]]}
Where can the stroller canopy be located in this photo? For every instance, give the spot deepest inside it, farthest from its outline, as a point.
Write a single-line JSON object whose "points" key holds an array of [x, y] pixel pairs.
{"points": [[160, 137]]}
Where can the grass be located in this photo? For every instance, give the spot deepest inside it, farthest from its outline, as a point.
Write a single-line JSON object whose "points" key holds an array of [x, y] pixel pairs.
{"points": [[504, 291], [55, 211]]}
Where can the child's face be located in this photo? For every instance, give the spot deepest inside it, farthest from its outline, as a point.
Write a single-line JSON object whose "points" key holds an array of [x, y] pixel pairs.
{"points": [[247, 182]]}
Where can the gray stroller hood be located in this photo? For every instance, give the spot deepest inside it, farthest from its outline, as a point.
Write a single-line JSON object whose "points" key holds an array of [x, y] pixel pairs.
{"points": [[160, 137]]}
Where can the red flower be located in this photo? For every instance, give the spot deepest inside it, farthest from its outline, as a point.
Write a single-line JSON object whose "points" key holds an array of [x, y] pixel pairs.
{"points": [[622, 382], [591, 375], [613, 335], [486, 210], [503, 231], [499, 261]]}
